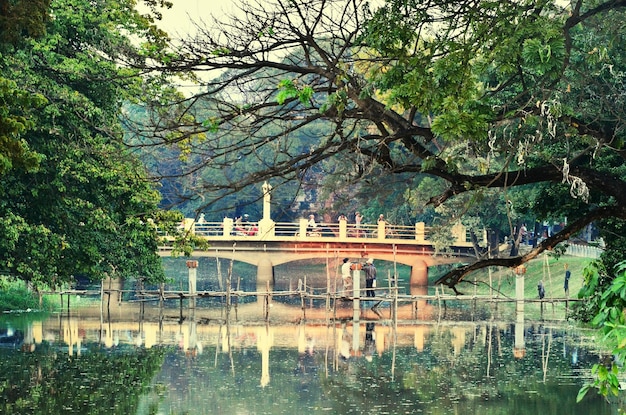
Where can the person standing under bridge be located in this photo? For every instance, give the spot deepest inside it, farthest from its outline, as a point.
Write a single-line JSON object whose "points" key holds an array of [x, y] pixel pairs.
{"points": [[370, 278]]}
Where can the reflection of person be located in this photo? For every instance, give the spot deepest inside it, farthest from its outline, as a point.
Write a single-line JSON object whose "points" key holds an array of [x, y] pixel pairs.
{"points": [[370, 341], [344, 350], [568, 274], [370, 278], [346, 278]]}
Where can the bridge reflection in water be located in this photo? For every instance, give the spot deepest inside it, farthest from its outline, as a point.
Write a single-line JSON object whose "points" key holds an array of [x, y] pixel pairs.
{"points": [[131, 325], [231, 365]]}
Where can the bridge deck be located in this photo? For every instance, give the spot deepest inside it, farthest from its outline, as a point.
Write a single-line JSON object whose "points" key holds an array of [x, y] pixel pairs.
{"points": [[343, 232]]}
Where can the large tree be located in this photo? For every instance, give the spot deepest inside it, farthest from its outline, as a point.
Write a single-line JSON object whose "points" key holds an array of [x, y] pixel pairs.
{"points": [[73, 199], [478, 94]]}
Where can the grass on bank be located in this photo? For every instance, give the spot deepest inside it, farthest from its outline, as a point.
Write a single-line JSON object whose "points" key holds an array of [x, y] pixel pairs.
{"points": [[547, 269], [15, 296]]}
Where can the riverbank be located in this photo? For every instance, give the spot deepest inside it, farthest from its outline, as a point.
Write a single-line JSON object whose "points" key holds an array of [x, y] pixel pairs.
{"points": [[16, 297]]}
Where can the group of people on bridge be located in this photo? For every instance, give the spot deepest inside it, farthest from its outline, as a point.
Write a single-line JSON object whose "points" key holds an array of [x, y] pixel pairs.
{"points": [[356, 230], [242, 225]]}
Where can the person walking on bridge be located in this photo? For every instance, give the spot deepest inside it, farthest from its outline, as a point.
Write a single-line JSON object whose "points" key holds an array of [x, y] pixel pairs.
{"points": [[370, 278], [311, 225], [358, 218]]}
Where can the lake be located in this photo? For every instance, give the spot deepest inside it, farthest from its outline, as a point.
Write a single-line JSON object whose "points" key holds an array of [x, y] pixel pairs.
{"points": [[138, 358]]}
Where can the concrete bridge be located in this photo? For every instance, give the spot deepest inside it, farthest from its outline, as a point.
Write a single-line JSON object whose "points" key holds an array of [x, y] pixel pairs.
{"points": [[266, 243]]}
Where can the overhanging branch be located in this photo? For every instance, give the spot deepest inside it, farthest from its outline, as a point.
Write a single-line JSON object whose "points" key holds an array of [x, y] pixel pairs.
{"points": [[455, 276]]}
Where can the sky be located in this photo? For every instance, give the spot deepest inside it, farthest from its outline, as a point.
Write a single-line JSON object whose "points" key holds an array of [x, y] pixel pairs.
{"points": [[177, 20]]}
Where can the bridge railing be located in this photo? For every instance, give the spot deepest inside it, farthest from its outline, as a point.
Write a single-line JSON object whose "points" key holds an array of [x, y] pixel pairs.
{"points": [[342, 231]]}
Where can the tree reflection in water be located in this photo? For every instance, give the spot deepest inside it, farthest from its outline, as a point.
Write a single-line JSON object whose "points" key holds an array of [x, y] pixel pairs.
{"points": [[122, 365]]}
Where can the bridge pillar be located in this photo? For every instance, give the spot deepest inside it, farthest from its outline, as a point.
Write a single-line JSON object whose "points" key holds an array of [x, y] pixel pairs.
{"points": [[264, 275], [419, 275]]}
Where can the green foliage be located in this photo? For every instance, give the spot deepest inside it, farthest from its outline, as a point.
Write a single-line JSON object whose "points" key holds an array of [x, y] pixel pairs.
{"points": [[288, 89], [22, 18], [15, 296], [14, 122], [605, 299], [73, 200]]}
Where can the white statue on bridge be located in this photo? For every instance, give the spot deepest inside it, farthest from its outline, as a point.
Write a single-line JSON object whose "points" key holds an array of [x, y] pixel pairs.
{"points": [[266, 225], [267, 196]]}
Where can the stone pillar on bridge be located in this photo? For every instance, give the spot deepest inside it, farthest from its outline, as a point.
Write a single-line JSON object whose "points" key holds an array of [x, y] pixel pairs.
{"points": [[420, 232], [343, 228], [381, 230], [266, 224], [302, 228], [264, 275], [228, 227]]}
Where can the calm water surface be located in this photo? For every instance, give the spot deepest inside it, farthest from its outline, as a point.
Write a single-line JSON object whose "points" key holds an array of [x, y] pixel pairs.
{"points": [[134, 360]]}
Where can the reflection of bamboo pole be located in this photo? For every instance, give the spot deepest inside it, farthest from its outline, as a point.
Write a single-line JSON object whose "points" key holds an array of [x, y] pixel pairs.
{"points": [[489, 333], [237, 302], [394, 339], [218, 267], [545, 355], [217, 345], [327, 349], [327, 286], [229, 277], [302, 299]]}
